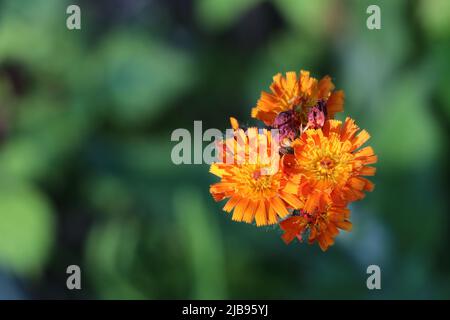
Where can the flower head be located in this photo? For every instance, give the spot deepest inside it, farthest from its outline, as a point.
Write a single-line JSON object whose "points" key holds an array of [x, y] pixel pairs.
{"points": [[322, 226], [250, 181], [328, 165], [299, 94], [322, 168]]}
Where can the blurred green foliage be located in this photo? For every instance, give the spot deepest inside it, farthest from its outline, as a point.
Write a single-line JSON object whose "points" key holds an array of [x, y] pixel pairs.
{"points": [[85, 123]]}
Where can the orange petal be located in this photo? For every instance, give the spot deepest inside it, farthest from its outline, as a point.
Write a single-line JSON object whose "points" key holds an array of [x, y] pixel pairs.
{"points": [[292, 200], [234, 123], [367, 171], [214, 169], [360, 139], [231, 203], [271, 214], [250, 211], [261, 215], [364, 152], [356, 183], [279, 207], [335, 103], [238, 212], [325, 86], [344, 225], [349, 129], [312, 202]]}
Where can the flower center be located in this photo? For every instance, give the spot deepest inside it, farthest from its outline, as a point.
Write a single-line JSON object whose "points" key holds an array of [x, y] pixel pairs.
{"points": [[325, 167], [331, 162], [259, 182], [326, 163], [254, 184], [332, 167], [256, 174]]}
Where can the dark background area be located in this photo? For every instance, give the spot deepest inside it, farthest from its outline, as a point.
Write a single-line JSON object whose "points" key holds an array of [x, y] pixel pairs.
{"points": [[86, 117]]}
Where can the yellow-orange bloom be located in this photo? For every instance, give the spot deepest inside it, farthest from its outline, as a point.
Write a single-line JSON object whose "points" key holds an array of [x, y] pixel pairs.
{"points": [[328, 167], [323, 226], [299, 94], [253, 194]]}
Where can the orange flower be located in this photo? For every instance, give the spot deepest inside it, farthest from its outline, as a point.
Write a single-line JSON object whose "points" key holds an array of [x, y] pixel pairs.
{"points": [[328, 167], [322, 169], [249, 179], [293, 227], [300, 94], [323, 226]]}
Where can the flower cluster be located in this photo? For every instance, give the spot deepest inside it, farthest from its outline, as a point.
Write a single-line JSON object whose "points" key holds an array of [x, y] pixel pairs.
{"points": [[320, 164]]}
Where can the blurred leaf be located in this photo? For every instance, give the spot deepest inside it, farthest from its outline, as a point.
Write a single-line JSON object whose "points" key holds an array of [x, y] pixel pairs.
{"points": [[297, 52], [405, 129], [37, 35], [101, 190], [26, 228], [45, 134], [202, 243], [435, 17], [440, 68], [141, 76], [379, 53], [304, 15], [109, 253], [218, 15]]}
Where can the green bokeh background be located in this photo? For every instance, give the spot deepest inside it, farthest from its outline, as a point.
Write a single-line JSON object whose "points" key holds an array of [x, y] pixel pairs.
{"points": [[85, 122]]}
